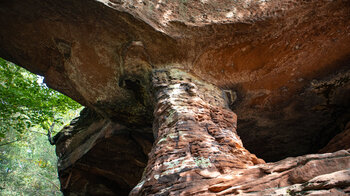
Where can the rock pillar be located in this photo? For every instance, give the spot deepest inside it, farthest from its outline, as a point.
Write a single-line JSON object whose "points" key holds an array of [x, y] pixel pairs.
{"points": [[196, 137]]}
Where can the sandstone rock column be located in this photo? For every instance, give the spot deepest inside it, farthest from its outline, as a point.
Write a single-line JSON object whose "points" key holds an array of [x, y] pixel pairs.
{"points": [[196, 137]]}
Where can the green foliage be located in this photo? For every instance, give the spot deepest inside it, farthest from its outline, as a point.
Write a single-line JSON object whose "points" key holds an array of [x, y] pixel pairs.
{"points": [[28, 167], [25, 102], [27, 110]]}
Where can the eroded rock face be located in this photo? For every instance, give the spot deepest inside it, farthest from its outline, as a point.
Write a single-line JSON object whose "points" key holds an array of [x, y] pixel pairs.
{"points": [[196, 151], [115, 158], [283, 65], [315, 174], [195, 134], [287, 62], [99, 157]]}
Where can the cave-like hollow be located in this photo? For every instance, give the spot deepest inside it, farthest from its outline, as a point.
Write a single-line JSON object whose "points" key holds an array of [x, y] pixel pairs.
{"points": [[147, 71]]}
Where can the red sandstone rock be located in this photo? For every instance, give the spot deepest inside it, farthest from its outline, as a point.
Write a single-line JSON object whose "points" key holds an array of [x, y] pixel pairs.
{"points": [[99, 157], [329, 174], [120, 158], [340, 141], [286, 61], [283, 65], [196, 137]]}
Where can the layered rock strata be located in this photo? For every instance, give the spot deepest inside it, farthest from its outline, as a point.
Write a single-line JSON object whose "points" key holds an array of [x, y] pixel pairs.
{"points": [[284, 65], [99, 157], [108, 159], [314, 174], [195, 134], [286, 60], [196, 151]]}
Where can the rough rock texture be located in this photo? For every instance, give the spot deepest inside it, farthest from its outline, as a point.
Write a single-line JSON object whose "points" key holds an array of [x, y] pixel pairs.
{"points": [[99, 157], [101, 170], [315, 174], [195, 133], [283, 65], [286, 60]]}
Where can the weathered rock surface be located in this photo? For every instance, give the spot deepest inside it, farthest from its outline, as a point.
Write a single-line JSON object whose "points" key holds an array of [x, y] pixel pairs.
{"points": [[283, 65], [197, 152], [286, 60], [316, 174], [99, 157], [196, 136]]}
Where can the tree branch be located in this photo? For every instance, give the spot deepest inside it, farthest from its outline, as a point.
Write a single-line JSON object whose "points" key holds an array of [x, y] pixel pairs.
{"points": [[49, 180], [37, 132], [49, 134], [9, 142]]}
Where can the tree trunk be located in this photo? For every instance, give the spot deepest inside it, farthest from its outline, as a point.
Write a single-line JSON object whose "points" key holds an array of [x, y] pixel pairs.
{"points": [[196, 139]]}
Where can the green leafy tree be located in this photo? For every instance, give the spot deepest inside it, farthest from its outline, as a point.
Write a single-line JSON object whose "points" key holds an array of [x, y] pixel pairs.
{"points": [[28, 108], [26, 102], [28, 167]]}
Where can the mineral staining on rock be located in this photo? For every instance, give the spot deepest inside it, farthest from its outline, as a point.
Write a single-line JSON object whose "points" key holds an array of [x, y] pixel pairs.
{"points": [[113, 162], [267, 52], [198, 152], [195, 135], [283, 65]]}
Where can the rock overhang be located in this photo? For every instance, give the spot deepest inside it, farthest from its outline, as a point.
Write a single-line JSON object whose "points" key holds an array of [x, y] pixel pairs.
{"points": [[268, 53]]}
